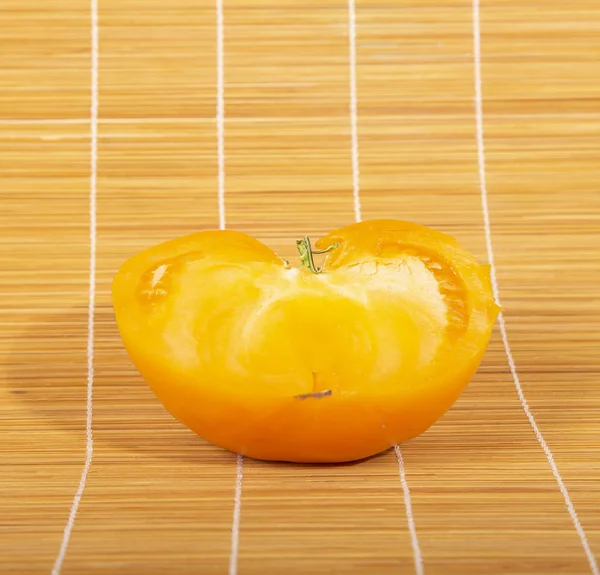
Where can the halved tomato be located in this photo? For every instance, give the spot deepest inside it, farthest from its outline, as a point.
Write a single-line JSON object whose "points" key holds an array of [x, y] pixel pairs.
{"points": [[307, 364]]}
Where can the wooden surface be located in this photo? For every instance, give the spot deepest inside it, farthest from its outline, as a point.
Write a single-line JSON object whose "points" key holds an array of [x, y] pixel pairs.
{"points": [[158, 499]]}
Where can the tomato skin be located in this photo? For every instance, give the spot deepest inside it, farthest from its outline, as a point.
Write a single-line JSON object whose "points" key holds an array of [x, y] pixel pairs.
{"points": [[285, 364]]}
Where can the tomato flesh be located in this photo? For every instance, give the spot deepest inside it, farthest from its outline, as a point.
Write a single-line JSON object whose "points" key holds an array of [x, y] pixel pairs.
{"points": [[281, 363]]}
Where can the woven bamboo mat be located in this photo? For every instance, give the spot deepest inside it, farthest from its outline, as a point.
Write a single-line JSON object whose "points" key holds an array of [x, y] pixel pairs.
{"points": [[157, 499]]}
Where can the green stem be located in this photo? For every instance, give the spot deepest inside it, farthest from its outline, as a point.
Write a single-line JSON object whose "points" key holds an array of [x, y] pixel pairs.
{"points": [[306, 254]]}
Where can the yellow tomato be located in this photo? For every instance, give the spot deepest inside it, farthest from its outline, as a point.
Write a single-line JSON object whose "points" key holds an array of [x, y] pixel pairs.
{"points": [[307, 364]]}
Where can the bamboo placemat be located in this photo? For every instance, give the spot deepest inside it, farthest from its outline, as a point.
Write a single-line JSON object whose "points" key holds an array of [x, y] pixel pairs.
{"points": [[159, 500]]}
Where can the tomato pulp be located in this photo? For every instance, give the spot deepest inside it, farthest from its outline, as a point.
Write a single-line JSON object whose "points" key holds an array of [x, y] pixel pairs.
{"points": [[307, 364]]}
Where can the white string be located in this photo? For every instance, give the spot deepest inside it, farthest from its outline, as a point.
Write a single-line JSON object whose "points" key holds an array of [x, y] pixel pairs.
{"points": [[496, 291], [354, 110], [412, 528], [418, 559], [237, 501], [220, 115], [237, 511], [89, 441], [44, 121]]}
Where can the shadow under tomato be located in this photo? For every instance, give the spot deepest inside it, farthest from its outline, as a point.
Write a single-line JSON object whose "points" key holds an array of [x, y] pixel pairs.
{"points": [[316, 466]]}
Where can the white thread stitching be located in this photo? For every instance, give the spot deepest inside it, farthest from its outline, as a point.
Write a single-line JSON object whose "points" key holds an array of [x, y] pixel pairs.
{"points": [[237, 511], [354, 110], [237, 502], [89, 447], [357, 216], [44, 121], [418, 559], [496, 291], [220, 115]]}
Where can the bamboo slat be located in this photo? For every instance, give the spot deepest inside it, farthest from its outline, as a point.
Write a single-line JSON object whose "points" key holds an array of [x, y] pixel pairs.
{"points": [[160, 500]]}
